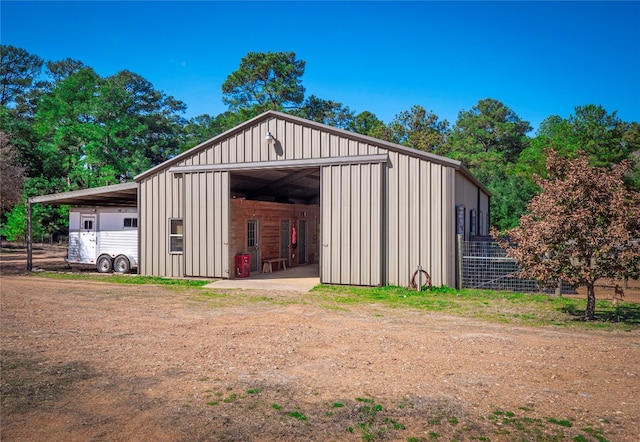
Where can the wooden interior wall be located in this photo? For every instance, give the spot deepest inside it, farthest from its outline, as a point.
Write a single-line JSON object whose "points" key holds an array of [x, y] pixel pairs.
{"points": [[269, 216]]}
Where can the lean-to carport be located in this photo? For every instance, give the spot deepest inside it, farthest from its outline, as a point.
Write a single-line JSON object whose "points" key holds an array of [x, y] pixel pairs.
{"points": [[117, 195]]}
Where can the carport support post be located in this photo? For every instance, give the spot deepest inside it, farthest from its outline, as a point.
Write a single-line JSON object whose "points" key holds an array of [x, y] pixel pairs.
{"points": [[29, 238]]}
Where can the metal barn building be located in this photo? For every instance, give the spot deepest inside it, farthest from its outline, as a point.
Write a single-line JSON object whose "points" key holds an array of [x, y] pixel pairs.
{"points": [[368, 211], [282, 188]]}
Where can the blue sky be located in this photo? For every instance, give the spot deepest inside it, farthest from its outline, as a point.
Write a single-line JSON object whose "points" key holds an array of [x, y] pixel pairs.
{"points": [[539, 58]]}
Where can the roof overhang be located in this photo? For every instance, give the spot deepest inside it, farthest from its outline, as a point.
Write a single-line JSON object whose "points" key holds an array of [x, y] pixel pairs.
{"points": [[125, 195], [282, 164]]}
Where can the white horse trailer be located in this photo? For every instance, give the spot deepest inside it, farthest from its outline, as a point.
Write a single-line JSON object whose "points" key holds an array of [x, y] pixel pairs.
{"points": [[106, 237]]}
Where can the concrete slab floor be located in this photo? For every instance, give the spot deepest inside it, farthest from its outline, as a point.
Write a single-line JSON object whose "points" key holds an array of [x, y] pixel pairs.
{"points": [[299, 279]]}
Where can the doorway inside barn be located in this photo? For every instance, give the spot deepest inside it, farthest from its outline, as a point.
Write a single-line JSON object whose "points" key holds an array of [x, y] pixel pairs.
{"points": [[275, 222]]}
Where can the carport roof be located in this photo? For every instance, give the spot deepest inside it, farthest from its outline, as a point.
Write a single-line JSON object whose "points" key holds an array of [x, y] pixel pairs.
{"points": [[125, 194]]}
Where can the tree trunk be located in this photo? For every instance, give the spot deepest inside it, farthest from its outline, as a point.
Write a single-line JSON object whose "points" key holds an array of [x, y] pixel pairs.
{"points": [[590, 312]]}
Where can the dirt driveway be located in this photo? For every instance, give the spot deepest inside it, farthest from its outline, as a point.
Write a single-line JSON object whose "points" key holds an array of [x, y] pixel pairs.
{"points": [[99, 361]]}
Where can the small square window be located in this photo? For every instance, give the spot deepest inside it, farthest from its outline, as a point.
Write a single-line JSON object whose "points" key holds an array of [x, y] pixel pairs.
{"points": [[88, 224], [131, 222], [176, 236]]}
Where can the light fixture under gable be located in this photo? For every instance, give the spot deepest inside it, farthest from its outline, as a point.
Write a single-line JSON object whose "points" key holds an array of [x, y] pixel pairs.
{"points": [[270, 139]]}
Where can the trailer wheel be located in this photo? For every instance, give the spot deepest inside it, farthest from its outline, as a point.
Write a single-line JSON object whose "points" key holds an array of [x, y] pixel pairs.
{"points": [[121, 264], [104, 264]]}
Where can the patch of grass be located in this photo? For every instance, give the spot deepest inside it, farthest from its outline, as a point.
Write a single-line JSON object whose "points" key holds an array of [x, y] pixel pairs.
{"points": [[231, 398], [596, 434], [126, 279], [369, 419], [372, 420], [536, 429], [562, 422], [297, 415], [504, 307]]}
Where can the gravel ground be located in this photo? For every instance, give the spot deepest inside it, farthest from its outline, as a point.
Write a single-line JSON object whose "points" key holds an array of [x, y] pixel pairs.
{"points": [[99, 361]]}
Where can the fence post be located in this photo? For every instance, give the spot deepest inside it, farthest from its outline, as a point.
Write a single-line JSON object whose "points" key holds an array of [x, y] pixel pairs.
{"points": [[459, 261], [559, 288], [29, 238]]}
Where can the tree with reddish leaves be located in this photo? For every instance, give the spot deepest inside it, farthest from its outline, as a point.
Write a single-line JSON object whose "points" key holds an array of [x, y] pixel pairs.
{"points": [[584, 225]]}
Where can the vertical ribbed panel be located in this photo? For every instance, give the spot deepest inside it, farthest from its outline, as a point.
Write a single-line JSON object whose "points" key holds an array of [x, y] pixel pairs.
{"points": [[448, 228], [351, 224], [418, 197], [435, 224], [392, 225], [425, 214], [206, 224], [160, 197]]}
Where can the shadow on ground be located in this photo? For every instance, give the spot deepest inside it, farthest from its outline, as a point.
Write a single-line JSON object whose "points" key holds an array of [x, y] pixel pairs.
{"points": [[625, 313]]}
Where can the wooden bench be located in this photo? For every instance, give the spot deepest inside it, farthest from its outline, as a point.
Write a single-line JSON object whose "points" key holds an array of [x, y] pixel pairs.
{"points": [[267, 266]]}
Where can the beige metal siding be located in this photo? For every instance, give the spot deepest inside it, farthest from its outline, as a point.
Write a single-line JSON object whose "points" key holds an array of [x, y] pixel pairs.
{"points": [[418, 200], [448, 228], [293, 141], [206, 224], [466, 194], [351, 224], [159, 202]]}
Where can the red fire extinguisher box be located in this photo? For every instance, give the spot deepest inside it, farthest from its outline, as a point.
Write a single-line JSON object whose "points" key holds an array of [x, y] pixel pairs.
{"points": [[243, 266]]}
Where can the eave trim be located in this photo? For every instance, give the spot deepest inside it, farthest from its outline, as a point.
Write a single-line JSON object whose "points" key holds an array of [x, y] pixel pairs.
{"points": [[283, 164]]}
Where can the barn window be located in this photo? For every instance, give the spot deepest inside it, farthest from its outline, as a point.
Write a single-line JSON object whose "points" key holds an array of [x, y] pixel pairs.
{"points": [[131, 222], [472, 222], [175, 236]]}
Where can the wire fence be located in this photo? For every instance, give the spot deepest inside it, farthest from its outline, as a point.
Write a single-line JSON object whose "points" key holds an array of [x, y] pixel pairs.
{"points": [[485, 265]]}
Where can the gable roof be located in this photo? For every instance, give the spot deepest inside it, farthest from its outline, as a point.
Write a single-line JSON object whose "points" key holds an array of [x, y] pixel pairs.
{"points": [[455, 164]]}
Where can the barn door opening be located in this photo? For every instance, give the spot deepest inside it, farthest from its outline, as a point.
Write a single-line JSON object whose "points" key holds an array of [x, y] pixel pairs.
{"points": [[253, 247]]}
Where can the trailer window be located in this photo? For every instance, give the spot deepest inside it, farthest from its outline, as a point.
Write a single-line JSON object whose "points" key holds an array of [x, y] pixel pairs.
{"points": [[88, 224], [175, 236], [131, 222]]}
